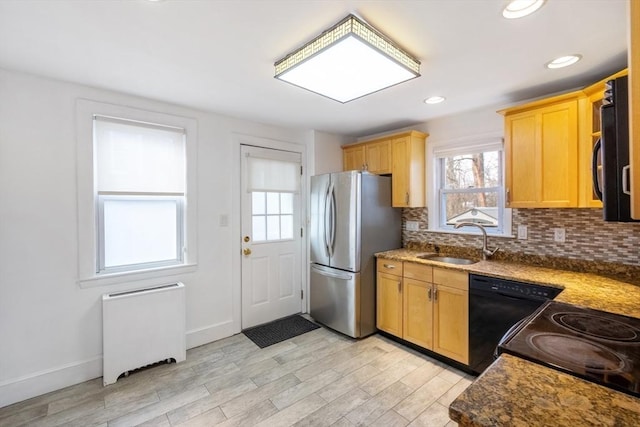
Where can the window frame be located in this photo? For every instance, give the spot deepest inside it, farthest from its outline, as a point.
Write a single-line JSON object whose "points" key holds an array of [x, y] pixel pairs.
{"points": [[87, 200], [437, 212]]}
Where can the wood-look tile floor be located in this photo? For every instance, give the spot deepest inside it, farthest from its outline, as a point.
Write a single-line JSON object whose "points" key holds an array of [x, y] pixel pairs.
{"points": [[317, 379]]}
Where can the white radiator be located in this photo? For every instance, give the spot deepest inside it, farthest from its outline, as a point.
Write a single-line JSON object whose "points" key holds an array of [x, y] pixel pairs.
{"points": [[142, 327]]}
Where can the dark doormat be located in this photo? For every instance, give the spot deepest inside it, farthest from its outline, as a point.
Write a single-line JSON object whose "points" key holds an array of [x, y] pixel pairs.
{"points": [[279, 330]]}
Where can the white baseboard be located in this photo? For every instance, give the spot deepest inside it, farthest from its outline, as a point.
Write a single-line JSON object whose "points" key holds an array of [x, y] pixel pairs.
{"points": [[18, 389], [28, 386], [202, 336]]}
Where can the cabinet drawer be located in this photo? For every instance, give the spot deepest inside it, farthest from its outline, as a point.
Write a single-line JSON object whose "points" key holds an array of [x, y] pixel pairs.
{"points": [[390, 266], [417, 271], [452, 278]]}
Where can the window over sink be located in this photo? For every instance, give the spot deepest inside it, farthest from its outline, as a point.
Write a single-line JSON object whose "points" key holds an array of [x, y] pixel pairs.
{"points": [[468, 186]]}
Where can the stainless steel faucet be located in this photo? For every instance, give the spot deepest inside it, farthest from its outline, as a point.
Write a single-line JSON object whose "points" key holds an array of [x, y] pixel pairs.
{"points": [[486, 252]]}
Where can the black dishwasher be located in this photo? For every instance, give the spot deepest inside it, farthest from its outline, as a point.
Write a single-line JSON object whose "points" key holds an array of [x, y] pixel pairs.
{"points": [[495, 305]]}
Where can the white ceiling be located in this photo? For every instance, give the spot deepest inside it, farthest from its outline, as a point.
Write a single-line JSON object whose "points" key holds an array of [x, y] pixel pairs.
{"points": [[218, 55]]}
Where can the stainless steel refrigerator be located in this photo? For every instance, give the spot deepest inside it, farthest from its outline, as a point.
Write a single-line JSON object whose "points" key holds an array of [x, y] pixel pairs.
{"points": [[351, 219]]}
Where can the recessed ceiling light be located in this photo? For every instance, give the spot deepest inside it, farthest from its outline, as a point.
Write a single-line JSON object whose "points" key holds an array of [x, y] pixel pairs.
{"points": [[563, 61], [434, 100], [519, 8]]}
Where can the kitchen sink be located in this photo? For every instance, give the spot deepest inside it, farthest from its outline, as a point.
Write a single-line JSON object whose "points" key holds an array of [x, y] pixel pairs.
{"points": [[446, 259]]}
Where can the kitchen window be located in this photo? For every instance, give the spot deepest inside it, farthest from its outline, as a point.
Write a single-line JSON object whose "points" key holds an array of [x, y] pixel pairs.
{"points": [[140, 188], [136, 194], [469, 187]]}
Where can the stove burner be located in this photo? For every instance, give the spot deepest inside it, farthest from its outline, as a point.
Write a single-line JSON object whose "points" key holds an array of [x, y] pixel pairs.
{"points": [[577, 353], [597, 326]]}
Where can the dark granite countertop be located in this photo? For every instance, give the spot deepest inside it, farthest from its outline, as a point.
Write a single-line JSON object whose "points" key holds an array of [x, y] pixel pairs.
{"points": [[515, 392]]}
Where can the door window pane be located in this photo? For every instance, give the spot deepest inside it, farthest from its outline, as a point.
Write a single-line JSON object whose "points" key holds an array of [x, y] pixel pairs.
{"points": [[258, 203], [259, 228], [273, 203], [272, 216], [286, 203], [273, 227]]}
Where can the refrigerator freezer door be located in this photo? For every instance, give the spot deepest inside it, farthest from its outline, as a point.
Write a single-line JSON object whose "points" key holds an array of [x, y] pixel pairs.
{"points": [[344, 218], [335, 299], [319, 226]]}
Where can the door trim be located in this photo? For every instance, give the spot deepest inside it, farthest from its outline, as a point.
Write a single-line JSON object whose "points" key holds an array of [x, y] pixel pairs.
{"points": [[239, 139]]}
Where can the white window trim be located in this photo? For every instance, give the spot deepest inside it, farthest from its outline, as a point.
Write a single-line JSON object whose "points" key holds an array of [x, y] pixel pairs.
{"points": [[88, 206], [452, 147]]}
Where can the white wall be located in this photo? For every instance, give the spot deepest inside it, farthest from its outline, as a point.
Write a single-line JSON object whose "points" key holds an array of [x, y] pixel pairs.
{"points": [[50, 328], [471, 124], [328, 152]]}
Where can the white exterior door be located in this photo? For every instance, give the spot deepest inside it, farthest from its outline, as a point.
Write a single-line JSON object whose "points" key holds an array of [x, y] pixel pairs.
{"points": [[271, 235]]}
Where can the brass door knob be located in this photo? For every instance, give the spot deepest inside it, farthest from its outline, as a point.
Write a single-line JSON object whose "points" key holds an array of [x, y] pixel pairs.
{"points": [[246, 251], [246, 239]]}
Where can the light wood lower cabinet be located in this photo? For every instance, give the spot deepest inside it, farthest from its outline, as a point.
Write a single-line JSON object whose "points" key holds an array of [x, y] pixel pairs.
{"points": [[427, 306], [451, 314], [389, 289]]}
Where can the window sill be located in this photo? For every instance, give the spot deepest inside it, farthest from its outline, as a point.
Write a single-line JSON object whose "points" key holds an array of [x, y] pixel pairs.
{"points": [[132, 276], [467, 233]]}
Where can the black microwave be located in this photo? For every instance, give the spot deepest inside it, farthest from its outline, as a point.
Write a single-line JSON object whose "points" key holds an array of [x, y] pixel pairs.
{"points": [[610, 163]]}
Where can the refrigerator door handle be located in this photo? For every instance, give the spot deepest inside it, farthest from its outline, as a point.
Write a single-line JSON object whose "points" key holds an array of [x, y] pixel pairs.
{"points": [[332, 241], [327, 223], [343, 276]]}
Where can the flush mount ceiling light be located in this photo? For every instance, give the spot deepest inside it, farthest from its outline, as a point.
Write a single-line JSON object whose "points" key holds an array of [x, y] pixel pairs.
{"points": [[563, 61], [348, 61], [519, 8], [434, 100]]}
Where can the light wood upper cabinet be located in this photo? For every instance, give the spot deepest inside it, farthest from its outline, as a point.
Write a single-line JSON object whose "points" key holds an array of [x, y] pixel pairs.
{"points": [[434, 304], [374, 157], [541, 151], [353, 158], [408, 170], [634, 105], [378, 157], [402, 155]]}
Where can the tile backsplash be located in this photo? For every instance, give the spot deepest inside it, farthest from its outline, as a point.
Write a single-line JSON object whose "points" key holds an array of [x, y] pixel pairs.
{"points": [[588, 237]]}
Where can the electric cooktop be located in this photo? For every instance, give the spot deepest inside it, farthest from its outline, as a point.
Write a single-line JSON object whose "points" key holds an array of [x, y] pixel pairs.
{"points": [[595, 345]]}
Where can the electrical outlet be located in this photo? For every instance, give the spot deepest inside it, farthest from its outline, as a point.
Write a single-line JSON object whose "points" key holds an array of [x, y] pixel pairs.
{"points": [[522, 232], [412, 226], [559, 235]]}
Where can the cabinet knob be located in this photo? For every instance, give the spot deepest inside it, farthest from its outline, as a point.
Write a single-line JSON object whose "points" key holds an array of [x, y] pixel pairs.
{"points": [[389, 266], [435, 294], [406, 198], [399, 286], [429, 293]]}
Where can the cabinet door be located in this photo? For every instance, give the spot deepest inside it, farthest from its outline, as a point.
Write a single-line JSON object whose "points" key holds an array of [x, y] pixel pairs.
{"points": [[521, 165], [559, 155], [541, 150], [451, 323], [378, 157], [408, 170], [353, 158], [418, 313], [389, 303]]}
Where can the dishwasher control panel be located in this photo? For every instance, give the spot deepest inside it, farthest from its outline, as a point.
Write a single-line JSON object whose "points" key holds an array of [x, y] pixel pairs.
{"points": [[512, 288]]}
